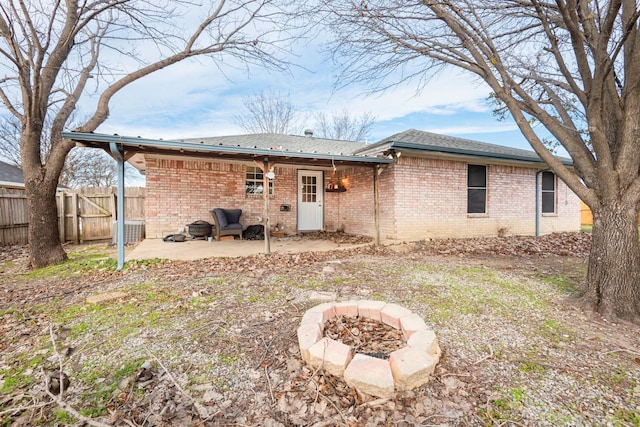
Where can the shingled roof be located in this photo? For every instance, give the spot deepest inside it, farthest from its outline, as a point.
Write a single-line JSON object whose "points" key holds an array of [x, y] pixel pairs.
{"points": [[294, 148], [10, 174], [416, 140], [284, 143]]}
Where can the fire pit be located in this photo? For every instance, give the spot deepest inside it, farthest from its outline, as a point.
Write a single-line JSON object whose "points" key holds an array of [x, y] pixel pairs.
{"points": [[199, 229], [405, 365]]}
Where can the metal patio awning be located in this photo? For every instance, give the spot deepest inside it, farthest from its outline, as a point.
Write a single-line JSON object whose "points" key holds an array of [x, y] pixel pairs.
{"points": [[123, 149]]}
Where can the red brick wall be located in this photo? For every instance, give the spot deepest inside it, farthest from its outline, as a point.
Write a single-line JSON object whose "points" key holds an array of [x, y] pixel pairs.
{"points": [[332, 202], [419, 198], [431, 201], [182, 191], [352, 210]]}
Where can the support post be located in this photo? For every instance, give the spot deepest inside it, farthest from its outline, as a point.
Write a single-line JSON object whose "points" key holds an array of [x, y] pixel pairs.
{"points": [[120, 205], [265, 194], [538, 174]]}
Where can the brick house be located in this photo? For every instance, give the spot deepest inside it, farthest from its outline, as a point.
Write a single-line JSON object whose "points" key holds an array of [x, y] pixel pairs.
{"points": [[440, 186], [412, 185]]}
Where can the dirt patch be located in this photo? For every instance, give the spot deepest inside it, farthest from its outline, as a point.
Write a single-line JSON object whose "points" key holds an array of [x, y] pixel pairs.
{"points": [[213, 342]]}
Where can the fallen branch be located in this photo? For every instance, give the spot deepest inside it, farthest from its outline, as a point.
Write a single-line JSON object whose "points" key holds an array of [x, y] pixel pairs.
{"points": [[64, 405], [266, 373], [618, 350], [58, 400], [26, 408], [173, 380], [453, 374], [344, 419], [60, 361], [266, 349], [358, 340], [377, 402], [296, 308], [488, 356]]}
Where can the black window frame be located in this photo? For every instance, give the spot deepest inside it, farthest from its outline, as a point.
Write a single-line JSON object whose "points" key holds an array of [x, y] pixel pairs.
{"points": [[548, 192], [476, 189]]}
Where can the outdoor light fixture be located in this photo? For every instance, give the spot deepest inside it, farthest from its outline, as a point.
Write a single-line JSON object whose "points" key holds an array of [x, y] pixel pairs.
{"points": [[271, 175]]}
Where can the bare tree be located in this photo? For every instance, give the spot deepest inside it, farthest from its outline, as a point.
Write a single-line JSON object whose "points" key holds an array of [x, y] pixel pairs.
{"points": [[83, 167], [51, 51], [572, 66], [10, 139], [268, 112], [272, 112], [342, 125], [86, 167]]}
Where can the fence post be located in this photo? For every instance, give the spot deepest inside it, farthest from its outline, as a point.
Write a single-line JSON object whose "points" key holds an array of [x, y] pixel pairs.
{"points": [[75, 220], [61, 216]]}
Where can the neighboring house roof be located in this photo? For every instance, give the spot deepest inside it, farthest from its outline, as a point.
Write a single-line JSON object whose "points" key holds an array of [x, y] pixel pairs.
{"points": [[416, 140], [11, 175]]}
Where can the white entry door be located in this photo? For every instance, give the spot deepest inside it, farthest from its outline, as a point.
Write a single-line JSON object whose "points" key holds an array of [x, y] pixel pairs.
{"points": [[310, 200]]}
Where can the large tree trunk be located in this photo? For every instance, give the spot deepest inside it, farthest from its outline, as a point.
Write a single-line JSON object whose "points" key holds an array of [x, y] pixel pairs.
{"points": [[613, 277], [44, 238], [40, 184]]}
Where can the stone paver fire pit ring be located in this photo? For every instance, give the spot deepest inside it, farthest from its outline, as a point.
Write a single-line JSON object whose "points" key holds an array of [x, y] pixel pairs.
{"points": [[406, 369]]}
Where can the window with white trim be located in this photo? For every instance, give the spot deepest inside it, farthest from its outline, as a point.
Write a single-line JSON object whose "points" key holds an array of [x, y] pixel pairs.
{"points": [[476, 189], [255, 181], [548, 192]]}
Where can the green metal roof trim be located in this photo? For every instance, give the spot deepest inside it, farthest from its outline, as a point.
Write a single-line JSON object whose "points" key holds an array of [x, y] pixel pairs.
{"points": [[225, 145], [415, 140]]}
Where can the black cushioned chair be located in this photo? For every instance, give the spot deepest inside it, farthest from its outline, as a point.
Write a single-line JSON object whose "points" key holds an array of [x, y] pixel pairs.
{"points": [[227, 222]]}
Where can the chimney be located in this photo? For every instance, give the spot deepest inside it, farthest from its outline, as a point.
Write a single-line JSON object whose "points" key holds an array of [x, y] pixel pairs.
{"points": [[308, 133]]}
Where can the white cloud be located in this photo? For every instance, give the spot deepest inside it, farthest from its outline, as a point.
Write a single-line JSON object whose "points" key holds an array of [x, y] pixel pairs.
{"points": [[472, 129], [195, 98]]}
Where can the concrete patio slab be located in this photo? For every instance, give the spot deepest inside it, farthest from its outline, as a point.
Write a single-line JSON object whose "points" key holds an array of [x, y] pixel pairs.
{"points": [[199, 249]]}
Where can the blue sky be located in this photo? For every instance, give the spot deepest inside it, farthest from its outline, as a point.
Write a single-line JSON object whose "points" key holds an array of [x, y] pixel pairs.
{"points": [[195, 99]]}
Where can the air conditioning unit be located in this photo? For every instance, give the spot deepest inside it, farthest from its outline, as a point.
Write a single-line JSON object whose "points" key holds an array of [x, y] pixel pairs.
{"points": [[133, 231]]}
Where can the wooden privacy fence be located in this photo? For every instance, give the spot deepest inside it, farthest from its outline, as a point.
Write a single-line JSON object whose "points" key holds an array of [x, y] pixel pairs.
{"points": [[586, 217], [84, 214], [14, 217]]}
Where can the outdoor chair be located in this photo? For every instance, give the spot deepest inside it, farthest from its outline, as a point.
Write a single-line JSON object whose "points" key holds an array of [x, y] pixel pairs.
{"points": [[227, 222]]}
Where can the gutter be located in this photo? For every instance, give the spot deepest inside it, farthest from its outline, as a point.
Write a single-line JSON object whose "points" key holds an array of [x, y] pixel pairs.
{"points": [[410, 146]]}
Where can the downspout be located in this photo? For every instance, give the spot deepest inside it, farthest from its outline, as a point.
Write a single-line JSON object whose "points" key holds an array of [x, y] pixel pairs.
{"points": [[120, 205], [267, 206], [538, 174], [376, 204]]}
